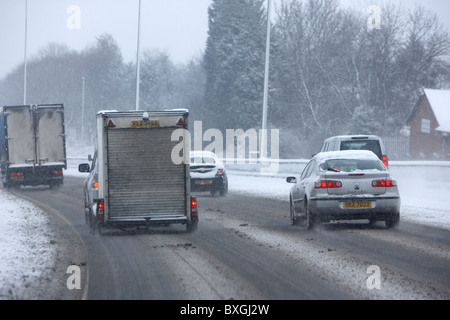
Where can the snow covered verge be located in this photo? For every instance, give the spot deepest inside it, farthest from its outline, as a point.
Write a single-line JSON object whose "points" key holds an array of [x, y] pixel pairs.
{"points": [[26, 253], [34, 253]]}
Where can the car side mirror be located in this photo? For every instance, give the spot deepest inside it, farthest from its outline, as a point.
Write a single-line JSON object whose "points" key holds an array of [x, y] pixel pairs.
{"points": [[291, 180], [84, 167]]}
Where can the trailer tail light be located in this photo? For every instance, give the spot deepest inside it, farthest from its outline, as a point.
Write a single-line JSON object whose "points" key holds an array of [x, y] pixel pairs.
{"points": [[384, 183], [193, 206], [100, 209], [180, 122], [385, 160], [321, 184]]}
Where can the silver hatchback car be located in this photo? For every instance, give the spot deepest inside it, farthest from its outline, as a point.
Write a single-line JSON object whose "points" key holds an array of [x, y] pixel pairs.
{"points": [[344, 185]]}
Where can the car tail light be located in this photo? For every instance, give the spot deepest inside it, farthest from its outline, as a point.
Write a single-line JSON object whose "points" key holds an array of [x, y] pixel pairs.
{"points": [[385, 160], [193, 206], [101, 209], [384, 183], [327, 184], [95, 184], [220, 171]]}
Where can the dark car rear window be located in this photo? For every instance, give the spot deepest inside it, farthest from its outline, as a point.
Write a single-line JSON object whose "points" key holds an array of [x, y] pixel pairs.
{"points": [[371, 145]]}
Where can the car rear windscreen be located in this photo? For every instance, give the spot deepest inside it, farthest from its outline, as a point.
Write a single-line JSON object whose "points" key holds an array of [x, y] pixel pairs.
{"points": [[371, 145], [350, 165]]}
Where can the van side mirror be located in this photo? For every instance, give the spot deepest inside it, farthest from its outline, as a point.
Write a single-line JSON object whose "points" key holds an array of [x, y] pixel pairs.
{"points": [[84, 167], [291, 180]]}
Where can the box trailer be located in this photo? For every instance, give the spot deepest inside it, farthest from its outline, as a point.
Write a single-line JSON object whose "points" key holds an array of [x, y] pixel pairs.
{"points": [[136, 176]]}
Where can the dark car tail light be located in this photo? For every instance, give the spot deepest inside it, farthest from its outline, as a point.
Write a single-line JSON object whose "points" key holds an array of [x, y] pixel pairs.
{"points": [[220, 171], [327, 184], [384, 183]]}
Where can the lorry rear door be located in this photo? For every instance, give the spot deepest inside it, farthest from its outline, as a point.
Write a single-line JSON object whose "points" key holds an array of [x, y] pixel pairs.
{"points": [[20, 136], [50, 142]]}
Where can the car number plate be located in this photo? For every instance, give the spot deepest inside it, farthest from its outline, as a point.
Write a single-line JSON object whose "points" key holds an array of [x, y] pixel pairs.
{"points": [[357, 204], [203, 181], [144, 123]]}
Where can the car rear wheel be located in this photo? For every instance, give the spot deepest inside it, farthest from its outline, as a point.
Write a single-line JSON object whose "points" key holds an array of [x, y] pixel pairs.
{"points": [[224, 190], [294, 220], [310, 219], [392, 220]]}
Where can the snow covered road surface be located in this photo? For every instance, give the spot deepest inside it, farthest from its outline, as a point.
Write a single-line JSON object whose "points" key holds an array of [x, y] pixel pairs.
{"points": [[31, 251]]}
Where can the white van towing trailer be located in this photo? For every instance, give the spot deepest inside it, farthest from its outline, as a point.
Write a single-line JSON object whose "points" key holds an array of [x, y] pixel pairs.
{"points": [[137, 171], [32, 145]]}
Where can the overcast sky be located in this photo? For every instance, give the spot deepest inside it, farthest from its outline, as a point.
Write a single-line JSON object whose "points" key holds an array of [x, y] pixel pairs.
{"points": [[178, 27]]}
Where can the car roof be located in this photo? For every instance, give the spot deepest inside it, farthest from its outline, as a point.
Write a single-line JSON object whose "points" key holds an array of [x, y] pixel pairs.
{"points": [[357, 136], [203, 154], [354, 137], [346, 154]]}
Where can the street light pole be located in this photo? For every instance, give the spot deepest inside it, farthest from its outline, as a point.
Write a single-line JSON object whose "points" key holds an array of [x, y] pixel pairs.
{"points": [[82, 111], [25, 56], [138, 76], [263, 139]]}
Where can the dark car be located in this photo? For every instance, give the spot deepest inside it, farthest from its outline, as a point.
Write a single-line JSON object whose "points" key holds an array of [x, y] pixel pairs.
{"points": [[357, 142], [208, 173]]}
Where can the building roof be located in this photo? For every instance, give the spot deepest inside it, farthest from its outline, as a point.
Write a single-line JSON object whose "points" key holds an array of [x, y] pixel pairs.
{"points": [[440, 103]]}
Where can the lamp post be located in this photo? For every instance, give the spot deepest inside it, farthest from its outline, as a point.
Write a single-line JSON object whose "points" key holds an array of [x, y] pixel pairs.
{"points": [[263, 149], [25, 56], [82, 111], [138, 57]]}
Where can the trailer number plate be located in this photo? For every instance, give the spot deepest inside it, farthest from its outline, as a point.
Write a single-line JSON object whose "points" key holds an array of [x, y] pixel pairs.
{"points": [[144, 123]]}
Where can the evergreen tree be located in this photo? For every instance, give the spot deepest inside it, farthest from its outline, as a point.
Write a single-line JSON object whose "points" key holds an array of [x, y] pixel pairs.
{"points": [[234, 63]]}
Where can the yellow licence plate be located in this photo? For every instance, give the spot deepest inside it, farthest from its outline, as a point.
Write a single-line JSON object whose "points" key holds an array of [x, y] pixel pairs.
{"points": [[144, 123], [357, 204], [203, 181]]}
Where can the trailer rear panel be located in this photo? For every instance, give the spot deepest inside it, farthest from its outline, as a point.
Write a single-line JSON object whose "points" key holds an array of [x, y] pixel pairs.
{"points": [[143, 180]]}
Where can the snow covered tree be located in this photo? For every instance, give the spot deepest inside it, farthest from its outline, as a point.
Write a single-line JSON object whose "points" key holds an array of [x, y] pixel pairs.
{"points": [[234, 63]]}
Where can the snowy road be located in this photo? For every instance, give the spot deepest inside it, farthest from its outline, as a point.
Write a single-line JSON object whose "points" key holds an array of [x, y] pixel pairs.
{"points": [[245, 248]]}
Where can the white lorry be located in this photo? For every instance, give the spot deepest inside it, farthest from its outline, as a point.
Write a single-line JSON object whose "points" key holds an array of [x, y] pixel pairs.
{"points": [[32, 145], [136, 177]]}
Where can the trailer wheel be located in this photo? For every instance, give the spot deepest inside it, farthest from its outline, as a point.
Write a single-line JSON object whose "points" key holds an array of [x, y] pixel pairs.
{"points": [[191, 226]]}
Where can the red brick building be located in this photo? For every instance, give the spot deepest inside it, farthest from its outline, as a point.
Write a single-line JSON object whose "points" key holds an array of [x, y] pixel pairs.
{"points": [[429, 124]]}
